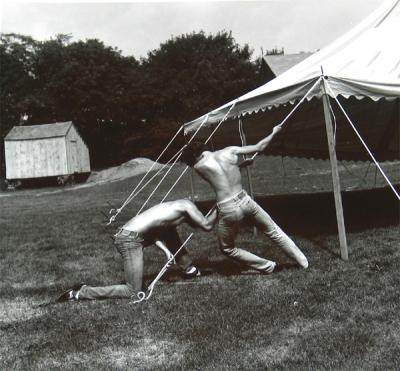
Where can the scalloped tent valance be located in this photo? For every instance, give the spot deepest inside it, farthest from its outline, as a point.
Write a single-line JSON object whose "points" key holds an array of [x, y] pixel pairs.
{"points": [[363, 63]]}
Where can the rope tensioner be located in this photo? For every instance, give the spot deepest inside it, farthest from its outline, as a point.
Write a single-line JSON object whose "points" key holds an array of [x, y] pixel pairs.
{"points": [[170, 261], [116, 211]]}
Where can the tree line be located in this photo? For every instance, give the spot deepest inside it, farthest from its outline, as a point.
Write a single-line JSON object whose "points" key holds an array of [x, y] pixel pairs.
{"points": [[123, 107]]}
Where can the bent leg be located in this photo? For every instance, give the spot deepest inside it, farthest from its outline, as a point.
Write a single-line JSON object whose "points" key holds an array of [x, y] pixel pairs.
{"points": [[132, 254], [227, 233], [107, 292], [264, 223]]}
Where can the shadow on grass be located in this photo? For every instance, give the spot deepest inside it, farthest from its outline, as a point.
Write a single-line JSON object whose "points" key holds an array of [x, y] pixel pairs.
{"points": [[313, 214], [223, 267], [12, 292]]}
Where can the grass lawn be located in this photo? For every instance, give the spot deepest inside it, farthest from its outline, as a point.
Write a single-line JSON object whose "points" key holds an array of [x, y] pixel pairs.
{"points": [[335, 315]]}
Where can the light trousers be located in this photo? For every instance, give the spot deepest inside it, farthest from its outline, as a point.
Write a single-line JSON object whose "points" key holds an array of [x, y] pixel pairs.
{"points": [[242, 209], [130, 245]]}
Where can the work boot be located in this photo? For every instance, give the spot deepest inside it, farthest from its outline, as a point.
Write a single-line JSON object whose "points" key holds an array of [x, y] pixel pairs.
{"points": [[191, 272], [70, 294]]}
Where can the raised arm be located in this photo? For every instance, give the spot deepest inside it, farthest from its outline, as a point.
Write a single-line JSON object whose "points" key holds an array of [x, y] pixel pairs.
{"points": [[260, 146]]}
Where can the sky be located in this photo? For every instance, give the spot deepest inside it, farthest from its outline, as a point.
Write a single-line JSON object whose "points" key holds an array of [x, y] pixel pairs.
{"points": [[139, 27]]}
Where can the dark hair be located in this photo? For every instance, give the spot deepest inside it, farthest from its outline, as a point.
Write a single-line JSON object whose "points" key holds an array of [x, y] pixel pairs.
{"points": [[192, 151]]}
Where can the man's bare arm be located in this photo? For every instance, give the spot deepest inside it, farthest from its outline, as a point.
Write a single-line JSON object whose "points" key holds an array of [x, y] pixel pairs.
{"points": [[260, 146], [199, 220], [212, 218], [161, 245]]}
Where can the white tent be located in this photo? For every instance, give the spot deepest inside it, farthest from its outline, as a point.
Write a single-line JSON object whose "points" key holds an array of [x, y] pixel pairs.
{"points": [[361, 66], [365, 62]]}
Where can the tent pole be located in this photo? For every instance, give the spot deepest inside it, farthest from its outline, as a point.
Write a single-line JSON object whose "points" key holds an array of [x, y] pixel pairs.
{"points": [[248, 172], [192, 185], [335, 176], [251, 189]]}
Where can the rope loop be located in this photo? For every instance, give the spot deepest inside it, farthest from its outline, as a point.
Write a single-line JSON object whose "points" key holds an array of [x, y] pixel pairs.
{"points": [[140, 295], [146, 296]]}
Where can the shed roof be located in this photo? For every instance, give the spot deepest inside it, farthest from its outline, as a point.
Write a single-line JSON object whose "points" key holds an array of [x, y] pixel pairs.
{"points": [[57, 129], [280, 63]]}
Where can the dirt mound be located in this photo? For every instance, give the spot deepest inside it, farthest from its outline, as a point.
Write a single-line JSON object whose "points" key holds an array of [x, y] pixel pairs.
{"points": [[133, 167]]}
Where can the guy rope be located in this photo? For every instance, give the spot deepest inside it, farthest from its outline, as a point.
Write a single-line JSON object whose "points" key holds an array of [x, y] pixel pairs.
{"points": [[171, 260], [141, 296], [114, 212], [363, 142]]}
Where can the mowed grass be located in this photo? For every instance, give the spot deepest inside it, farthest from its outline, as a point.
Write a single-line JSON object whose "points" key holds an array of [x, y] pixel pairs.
{"points": [[335, 315]]}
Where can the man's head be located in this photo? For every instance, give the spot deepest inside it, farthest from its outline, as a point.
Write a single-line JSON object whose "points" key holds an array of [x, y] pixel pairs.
{"points": [[192, 152]]}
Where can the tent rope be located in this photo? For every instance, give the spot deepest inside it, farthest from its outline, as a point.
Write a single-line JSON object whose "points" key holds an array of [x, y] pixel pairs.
{"points": [[155, 175], [334, 124], [116, 211], [241, 134], [132, 194], [159, 183], [176, 182], [178, 154], [146, 295], [360, 180], [221, 121], [142, 295], [362, 141], [214, 131], [295, 108], [207, 140]]}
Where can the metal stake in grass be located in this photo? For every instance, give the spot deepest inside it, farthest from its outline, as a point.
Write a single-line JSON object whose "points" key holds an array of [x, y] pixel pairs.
{"points": [[171, 260]]}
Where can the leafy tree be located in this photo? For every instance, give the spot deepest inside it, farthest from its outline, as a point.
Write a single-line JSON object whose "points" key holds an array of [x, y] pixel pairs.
{"points": [[91, 84], [16, 79], [123, 107], [193, 73]]}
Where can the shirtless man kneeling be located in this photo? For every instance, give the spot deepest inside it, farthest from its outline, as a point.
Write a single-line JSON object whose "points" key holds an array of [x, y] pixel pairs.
{"points": [[156, 225], [235, 207]]}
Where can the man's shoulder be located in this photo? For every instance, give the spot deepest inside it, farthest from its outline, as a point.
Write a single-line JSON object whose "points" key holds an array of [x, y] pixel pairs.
{"points": [[227, 152]]}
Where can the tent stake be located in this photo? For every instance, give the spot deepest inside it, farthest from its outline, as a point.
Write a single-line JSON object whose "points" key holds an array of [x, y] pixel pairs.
{"points": [[335, 176]]}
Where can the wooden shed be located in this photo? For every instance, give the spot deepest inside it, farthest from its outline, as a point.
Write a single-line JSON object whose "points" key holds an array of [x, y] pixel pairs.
{"points": [[49, 150]]}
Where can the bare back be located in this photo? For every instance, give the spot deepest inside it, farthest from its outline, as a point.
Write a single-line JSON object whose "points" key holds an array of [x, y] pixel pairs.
{"points": [[220, 169], [169, 214], [166, 214]]}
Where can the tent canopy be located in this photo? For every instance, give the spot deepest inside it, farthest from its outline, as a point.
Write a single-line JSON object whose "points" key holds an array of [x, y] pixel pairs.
{"points": [[363, 63]]}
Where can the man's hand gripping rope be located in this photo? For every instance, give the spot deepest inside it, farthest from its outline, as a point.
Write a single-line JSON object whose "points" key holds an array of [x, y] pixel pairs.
{"points": [[141, 295], [277, 128], [249, 160]]}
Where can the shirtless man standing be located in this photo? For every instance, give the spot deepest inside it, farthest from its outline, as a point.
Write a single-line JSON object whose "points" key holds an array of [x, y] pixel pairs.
{"points": [[221, 170], [156, 225]]}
